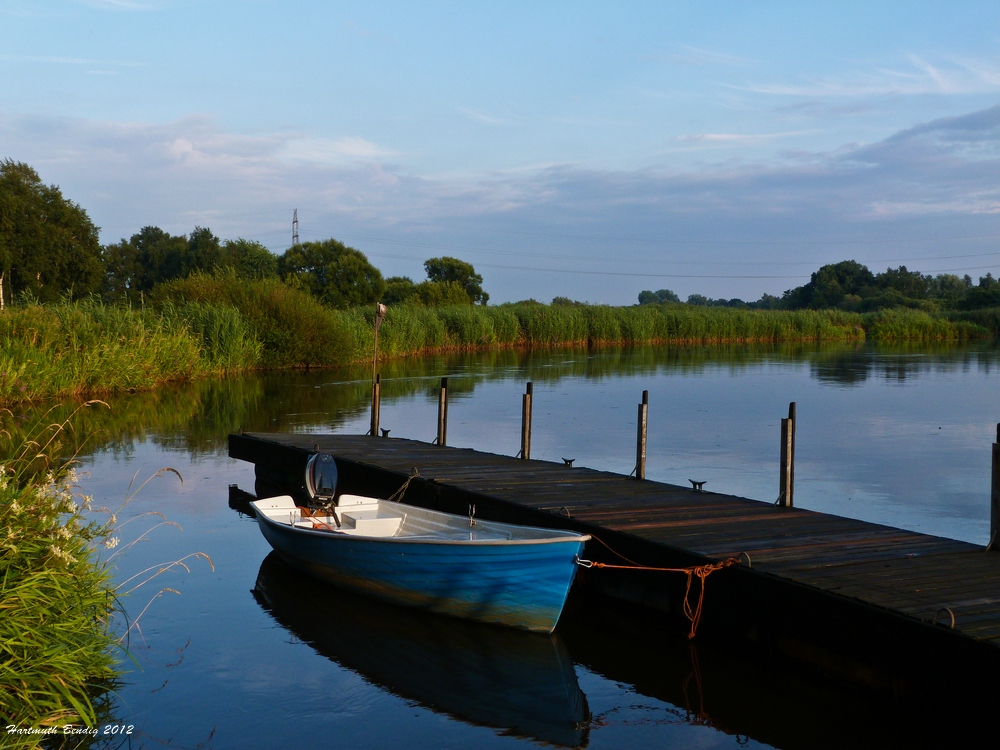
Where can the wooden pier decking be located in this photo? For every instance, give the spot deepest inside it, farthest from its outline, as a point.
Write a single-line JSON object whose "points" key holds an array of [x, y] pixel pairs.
{"points": [[862, 601]]}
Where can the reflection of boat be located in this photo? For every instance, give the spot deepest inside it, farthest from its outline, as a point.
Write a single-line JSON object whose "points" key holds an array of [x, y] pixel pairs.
{"points": [[522, 683], [482, 570]]}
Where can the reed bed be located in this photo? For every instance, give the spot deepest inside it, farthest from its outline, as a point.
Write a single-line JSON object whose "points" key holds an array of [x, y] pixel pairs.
{"points": [[79, 348], [413, 329]]}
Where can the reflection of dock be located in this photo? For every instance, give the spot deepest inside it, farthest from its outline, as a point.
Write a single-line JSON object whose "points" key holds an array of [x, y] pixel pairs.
{"points": [[865, 602], [521, 683]]}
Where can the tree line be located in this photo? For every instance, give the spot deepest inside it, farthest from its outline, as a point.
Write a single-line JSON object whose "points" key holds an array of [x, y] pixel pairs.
{"points": [[853, 287], [49, 250]]}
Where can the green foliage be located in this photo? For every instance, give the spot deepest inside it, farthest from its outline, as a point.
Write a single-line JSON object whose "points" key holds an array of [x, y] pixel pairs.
{"points": [[56, 600], [333, 272], [293, 328], [441, 294], [228, 344], [249, 259], [647, 297], [447, 269], [49, 248], [89, 348], [399, 290]]}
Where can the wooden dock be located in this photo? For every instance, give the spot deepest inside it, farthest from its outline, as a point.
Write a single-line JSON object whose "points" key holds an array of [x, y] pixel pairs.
{"points": [[891, 609]]}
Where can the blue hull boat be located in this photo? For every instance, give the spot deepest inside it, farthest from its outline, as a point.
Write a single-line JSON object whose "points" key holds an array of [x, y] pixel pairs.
{"points": [[499, 573]]}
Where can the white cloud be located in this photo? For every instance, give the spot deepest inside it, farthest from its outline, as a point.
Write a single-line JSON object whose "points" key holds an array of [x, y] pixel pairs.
{"points": [[934, 180]]}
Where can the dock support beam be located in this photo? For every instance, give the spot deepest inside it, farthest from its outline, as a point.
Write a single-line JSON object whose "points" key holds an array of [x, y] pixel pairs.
{"points": [[640, 437], [786, 490], [526, 423], [995, 495], [442, 436], [376, 404]]}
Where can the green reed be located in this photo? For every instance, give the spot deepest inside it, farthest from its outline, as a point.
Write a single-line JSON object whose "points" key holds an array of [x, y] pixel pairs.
{"points": [[294, 329], [57, 651]]}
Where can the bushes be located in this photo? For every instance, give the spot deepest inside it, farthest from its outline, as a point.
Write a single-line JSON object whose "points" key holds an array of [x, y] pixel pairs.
{"points": [[293, 328]]}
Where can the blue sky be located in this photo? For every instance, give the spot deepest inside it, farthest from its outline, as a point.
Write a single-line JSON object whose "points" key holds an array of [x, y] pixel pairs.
{"points": [[576, 149]]}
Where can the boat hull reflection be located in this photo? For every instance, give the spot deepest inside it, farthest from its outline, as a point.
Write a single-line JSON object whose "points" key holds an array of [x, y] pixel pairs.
{"points": [[519, 682]]}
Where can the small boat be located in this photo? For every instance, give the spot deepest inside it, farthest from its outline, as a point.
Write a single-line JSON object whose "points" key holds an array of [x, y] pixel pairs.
{"points": [[493, 572], [522, 684]]}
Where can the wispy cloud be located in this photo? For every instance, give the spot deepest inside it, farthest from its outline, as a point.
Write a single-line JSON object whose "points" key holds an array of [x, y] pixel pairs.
{"points": [[934, 179], [57, 60], [687, 55], [736, 138], [483, 117], [950, 76]]}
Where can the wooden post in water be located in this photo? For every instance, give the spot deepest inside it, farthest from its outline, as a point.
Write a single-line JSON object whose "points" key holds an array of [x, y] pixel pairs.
{"points": [[786, 490], [442, 438], [640, 437], [995, 495], [526, 423], [376, 404]]}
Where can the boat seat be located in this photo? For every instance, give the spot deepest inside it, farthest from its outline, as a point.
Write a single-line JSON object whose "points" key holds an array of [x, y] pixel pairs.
{"points": [[370, 522]]}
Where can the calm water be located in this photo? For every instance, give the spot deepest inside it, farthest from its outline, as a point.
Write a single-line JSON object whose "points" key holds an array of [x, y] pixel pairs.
{"points": [[247, 655]]}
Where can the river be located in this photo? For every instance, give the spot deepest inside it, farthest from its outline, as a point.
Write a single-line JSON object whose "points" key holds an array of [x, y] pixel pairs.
{"points": [[242, 653]]}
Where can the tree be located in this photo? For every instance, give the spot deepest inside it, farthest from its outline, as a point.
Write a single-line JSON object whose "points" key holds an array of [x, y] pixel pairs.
{"points": [[452, 269], [399, 289], [204, 252], [442, 293], [333, 272], [48, 245], [647, 297], [251, 259], [828, 286]]}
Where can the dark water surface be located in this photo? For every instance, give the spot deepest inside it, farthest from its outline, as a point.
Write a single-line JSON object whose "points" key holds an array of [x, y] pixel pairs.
{"points": [[249, 655]]}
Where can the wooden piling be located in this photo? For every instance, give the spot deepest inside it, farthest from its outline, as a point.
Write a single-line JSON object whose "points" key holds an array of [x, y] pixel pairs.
{"points": [[995, 495], [526, 423], [786, 488], [640, 438], [442, 436], [376, 404]]}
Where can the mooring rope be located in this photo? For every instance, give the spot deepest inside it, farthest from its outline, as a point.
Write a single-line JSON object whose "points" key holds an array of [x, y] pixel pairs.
{"points": [[701, 572], [398, 494]]}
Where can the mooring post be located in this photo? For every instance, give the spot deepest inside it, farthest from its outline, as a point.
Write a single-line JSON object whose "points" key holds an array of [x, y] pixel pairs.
{"points": [[995, 495], [526, 423], [786, 490], [376, 403], [640, 437], [442, 438], [791, 454]]}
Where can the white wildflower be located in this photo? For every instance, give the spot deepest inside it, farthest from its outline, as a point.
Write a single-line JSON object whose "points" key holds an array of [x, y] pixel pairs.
{"points": [[64, 533], [61, 554], [111, 542]]}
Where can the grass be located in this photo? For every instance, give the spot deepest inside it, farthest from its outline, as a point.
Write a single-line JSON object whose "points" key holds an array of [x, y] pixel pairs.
{"points": [[57, 651], [293, 328], [412, 329], [219, 324]]}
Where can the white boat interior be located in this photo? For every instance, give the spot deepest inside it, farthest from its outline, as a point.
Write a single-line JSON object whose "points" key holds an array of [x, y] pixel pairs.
{"points": [[357, 515]]}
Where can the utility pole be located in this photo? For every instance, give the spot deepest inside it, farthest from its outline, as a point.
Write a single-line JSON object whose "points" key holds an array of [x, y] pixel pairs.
{"points": [[295, 227]]}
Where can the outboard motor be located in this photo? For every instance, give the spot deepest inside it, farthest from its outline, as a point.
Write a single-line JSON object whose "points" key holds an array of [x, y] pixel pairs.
{"points": [[321, 478]]}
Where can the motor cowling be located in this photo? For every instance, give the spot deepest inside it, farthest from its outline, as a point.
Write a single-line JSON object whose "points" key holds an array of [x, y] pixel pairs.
{"points": [[321, 477]]}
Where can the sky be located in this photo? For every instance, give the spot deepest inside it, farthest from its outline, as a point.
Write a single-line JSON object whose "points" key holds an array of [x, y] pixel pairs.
{"points": [[587, 150]]}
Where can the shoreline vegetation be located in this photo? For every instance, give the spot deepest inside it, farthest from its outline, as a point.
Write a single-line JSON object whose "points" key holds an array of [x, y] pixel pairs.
{"points": [[217, 324]]}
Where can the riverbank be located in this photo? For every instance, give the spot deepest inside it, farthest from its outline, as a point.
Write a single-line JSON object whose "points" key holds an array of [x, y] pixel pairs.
{"points": [[57, 651], [204, 326]]}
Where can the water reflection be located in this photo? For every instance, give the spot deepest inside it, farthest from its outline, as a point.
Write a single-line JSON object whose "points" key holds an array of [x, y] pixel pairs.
{"points": [[198, 416], [520, 683]]}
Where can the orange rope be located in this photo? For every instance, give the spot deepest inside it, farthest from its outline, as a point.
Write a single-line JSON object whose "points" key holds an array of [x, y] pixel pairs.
{"points": [[693, 614]]}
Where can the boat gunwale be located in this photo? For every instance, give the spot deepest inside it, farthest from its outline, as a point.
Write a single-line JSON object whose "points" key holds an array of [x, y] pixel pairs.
{"points": [[573, 536]]}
